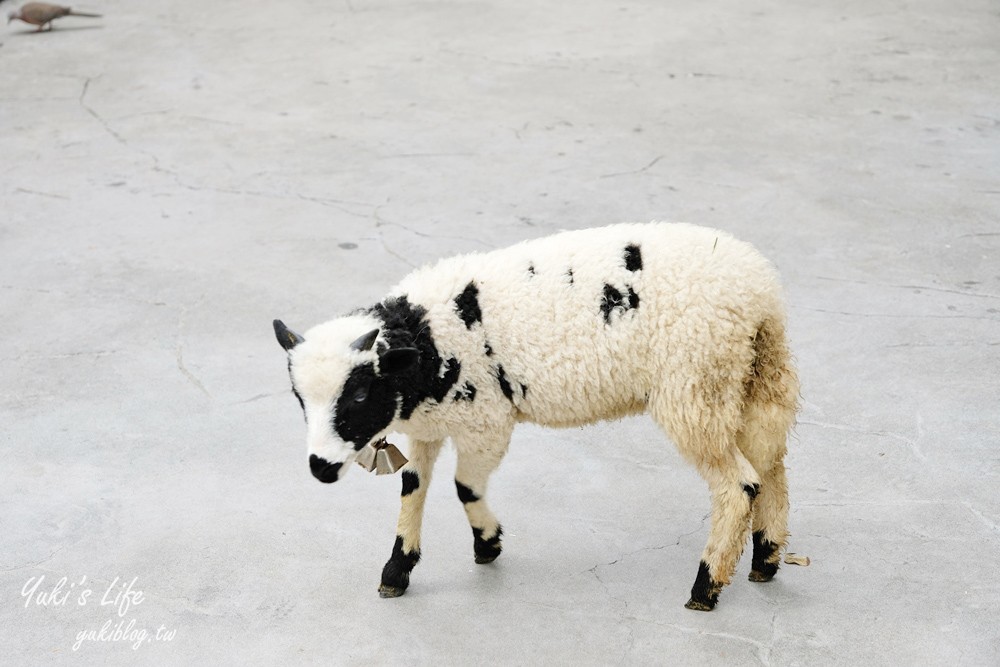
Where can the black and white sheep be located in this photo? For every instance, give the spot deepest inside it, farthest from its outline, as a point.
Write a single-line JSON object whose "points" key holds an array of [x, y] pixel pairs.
{"points": [[680, 321]]}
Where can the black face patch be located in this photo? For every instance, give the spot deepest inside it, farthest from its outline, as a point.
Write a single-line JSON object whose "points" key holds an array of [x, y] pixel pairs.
{"points": [[405, 325], [633, 258], [613, 300], [467, 305], [357, 421]]}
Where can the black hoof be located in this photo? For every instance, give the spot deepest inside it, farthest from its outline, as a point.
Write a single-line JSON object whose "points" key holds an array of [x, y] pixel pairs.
{"points": [[700, 605], [396, 573], [486, 550], [763, 573], [385, 591], [763, 550], [705, 592]]}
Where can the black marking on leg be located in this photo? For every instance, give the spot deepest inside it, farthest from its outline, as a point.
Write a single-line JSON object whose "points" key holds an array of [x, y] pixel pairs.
{"points": [[467, 305], [411, 482], [465, 494], [751, 490], [396, 573], [466, 393], [763, 551], [505, 385], [633, 258], [486, 550], [705, 592]]}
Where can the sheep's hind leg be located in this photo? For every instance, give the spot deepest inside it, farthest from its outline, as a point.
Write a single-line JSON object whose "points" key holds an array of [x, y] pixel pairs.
{"points": [[770, 524], [734, 485], [406, 551], [475, 465]]}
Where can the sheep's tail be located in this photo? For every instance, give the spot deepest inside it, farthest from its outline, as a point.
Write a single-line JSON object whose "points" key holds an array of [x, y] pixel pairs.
{"points": [[772, 378]]}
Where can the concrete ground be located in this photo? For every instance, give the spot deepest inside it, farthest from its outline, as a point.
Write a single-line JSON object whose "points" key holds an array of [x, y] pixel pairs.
{"points": [[177, 174]]}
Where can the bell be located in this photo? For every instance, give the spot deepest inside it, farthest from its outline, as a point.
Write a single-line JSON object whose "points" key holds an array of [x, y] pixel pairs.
{"points": [[366, 458], [388, 460]]}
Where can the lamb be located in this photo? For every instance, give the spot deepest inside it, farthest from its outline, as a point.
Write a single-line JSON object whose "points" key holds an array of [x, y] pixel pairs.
{"points": [[683, 322]]}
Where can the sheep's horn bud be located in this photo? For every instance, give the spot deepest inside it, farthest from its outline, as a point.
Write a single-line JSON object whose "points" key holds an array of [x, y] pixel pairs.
{"points": [[365, 343]]}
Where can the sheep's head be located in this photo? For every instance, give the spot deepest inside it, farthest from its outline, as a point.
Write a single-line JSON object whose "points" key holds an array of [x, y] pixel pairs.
{"points": [[343, 381]]}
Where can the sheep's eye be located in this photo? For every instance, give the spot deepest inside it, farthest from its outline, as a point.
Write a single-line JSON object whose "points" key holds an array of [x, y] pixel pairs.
{"points": [[361, 396]]}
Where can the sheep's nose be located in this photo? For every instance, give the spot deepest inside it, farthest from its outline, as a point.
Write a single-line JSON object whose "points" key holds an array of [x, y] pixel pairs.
{"points": [[323, 470]]}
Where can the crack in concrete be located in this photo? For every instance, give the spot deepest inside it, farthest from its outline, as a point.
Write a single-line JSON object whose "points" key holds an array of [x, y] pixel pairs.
{"points": [[979, 515], [894, 315], [181, 324], [41, 194], [65, 355], [913, 443], [635, 171], [382, 222], [114, 133], [953, 344], [982, 295]]}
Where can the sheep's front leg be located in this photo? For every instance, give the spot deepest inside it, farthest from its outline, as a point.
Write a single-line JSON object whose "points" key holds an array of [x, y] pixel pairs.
{"points": [[406, 551], [476, 462]]}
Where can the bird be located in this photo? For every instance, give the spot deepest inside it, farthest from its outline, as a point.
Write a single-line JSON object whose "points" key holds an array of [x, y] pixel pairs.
{"points": [[42, 14]]}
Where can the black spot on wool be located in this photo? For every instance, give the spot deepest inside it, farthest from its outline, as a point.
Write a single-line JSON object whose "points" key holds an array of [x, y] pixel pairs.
{"points": [[411, 482], [531, 270], [613, 300], [751, 490], [569, 274], [488, 349], [466, 393], [633, 258], [505, 385], [467, 305], [465, 494]]}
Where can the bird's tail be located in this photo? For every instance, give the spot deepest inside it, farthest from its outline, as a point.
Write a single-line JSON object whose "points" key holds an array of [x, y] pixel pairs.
{"points": [[73, 12]]}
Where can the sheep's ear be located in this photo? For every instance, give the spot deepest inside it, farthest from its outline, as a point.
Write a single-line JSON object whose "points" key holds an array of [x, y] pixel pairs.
{"points": [[286, 337], [398, 360], [365, 343]]}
